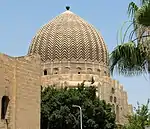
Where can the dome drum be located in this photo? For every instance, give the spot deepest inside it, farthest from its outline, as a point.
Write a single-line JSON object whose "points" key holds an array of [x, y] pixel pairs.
{"points": [[75, 67]]}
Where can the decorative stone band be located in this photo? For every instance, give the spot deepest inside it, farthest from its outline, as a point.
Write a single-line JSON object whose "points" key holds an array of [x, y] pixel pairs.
{"points": [[81, 67]]}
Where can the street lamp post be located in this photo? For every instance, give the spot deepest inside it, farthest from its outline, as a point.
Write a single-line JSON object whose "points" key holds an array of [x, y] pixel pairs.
{"points": [[80, 114]]}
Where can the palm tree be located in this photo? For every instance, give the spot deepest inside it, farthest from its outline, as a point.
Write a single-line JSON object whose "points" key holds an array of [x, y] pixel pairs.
{"points": [[143, 13], [133, 58]]}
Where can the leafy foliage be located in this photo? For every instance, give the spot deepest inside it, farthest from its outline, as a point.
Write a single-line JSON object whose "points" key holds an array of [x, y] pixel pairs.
{"points": [[143, 14], [132, 9], [133, 57], [57, 111], [130, 59], [140, 118]]}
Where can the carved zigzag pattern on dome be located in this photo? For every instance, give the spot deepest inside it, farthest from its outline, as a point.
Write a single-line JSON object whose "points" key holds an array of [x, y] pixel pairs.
{"points": [[69, 37]]}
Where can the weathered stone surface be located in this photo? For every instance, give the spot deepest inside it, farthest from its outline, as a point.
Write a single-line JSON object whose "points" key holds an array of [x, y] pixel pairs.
{"points": [[20, 81]]}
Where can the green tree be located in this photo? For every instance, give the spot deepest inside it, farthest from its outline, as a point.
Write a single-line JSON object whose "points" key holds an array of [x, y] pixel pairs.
{"points": [[140, 118], [57, 111], [133, 57]]}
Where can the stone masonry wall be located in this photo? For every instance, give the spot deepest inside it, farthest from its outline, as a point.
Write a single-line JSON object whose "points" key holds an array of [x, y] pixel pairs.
{"points": [[7, 68], [28, 95], [71, 74], [20, 81]]}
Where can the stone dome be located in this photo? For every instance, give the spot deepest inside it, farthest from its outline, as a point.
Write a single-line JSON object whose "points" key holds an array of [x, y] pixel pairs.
{"points": [[69, 37]]}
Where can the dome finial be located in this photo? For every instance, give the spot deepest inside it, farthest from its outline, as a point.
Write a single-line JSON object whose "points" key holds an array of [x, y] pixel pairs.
{"points": [[67, 7]]}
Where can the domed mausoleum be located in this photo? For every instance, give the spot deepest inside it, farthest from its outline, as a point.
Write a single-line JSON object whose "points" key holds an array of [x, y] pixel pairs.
{"points": [[64, 52], [73, 51]]}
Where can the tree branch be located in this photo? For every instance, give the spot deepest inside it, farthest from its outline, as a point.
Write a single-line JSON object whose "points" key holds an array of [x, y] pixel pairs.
{"points": [[140, 37]]}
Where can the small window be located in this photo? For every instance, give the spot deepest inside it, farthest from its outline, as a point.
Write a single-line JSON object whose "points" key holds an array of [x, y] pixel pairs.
{"points": [[98, 70], [112, 90], [79, 70], [55, 71], [115, 99], [4, 104], [111, 98], [105, 73], [89, 70], [67, 70], [45, 72]]}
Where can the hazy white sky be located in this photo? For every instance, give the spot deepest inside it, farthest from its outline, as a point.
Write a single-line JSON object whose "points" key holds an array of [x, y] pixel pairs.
{"points": [[20, 20]]}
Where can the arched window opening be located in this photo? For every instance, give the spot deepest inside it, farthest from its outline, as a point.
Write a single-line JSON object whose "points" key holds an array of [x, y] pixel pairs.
{"points": [[98, 70], [112, 90], [111, 98], [115, 99], [121, 108], [89, 70], [67, 70], [55, 71], [45, 72], [4, 106], [79, 70], [105, 73]]}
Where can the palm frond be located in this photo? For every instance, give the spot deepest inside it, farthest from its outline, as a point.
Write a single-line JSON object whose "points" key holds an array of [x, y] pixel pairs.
{"points": [[144, 2], [126, 60], [132, 8], [138, 29], [143, 15], [133, 58], [125, 34]]}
